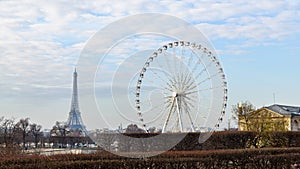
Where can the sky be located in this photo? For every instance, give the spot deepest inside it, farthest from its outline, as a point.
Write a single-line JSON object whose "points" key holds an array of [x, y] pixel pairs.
{"points": [[257, 43]]}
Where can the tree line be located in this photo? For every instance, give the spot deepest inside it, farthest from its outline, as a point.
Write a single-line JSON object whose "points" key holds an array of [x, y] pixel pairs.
{"points": [[24, 134], [14, 133]]}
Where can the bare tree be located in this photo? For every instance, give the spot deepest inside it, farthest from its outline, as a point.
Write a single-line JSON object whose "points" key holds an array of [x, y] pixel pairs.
{"points": [[1, 128], [35, 130], [76, 133], [9, 129], [133, 128], [24, 127], [60, 129], [241, 110]]}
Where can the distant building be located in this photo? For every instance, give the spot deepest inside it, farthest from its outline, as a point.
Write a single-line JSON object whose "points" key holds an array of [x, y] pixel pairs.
{"points": [[272, 118]]}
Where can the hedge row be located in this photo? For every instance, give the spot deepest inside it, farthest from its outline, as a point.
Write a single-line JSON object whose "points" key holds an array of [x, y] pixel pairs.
{"points": [[237, 158], [190, 141]]}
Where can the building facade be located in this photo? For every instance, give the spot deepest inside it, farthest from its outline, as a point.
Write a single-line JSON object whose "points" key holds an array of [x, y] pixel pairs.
{"points": [[272, 118]]}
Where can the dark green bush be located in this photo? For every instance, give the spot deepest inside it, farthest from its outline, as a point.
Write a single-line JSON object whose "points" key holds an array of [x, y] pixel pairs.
{"points": [[230, 149], [229, 158]]}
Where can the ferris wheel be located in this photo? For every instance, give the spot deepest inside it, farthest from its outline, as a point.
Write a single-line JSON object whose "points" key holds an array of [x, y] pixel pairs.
{"points": [[181, 88]]}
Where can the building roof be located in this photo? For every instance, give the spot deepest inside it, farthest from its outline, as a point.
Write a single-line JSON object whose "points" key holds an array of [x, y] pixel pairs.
{"points": [[285, 110]]}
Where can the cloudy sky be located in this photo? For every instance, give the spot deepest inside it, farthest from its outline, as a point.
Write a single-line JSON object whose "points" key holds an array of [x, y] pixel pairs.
{"points": [[40, 42]]}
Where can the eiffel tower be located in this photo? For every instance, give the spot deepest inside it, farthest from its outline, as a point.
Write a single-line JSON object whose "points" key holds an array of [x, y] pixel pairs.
{"points": [[74, 120]]}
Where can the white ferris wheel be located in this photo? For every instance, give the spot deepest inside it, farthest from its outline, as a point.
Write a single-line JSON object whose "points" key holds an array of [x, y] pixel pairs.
{"points": [[181, 88]]}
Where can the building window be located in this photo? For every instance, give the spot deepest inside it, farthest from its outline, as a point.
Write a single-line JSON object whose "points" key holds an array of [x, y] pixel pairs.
{"points": [[297, 126]]}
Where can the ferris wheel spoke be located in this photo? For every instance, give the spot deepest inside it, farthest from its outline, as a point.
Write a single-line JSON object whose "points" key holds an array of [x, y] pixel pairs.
{"points": [[174, 61], [190, 101], [188, 82], [159, 65], [179, 81], [181, 58], [182, 79], [168, 63], [186, 77], [189, 64], [190, 98], [198, 62], [147, 101], [168, 97], [169, 84], [187, 72], [154, 85], [174, 81], [177, 65], [201, 90], [203, 70], [203, 81], [159, 77], [189, 106], [186, 107], [168, 89]]}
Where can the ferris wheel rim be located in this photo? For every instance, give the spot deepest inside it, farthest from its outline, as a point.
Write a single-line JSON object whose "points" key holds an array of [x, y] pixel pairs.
{"points": [[193, 46]]}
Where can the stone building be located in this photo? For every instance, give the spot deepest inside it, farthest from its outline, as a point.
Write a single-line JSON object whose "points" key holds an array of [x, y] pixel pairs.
{"points": [[272, 118]]}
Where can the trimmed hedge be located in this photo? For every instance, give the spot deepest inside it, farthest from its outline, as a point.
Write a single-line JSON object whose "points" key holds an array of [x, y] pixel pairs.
{"points": [[218, 140], [229, 149], [231, 158]]}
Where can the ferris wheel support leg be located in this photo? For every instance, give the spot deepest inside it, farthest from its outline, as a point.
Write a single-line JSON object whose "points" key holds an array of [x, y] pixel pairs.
{"points": [[168, 117], [179, 115], [191, 121]]}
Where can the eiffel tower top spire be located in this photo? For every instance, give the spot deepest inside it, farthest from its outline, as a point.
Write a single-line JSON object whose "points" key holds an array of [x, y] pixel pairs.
{"points": [[75, 103], [74, 119]]}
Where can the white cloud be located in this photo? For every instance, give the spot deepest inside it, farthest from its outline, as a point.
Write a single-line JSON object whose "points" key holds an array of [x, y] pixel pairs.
{"points": [[40, 41]]}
